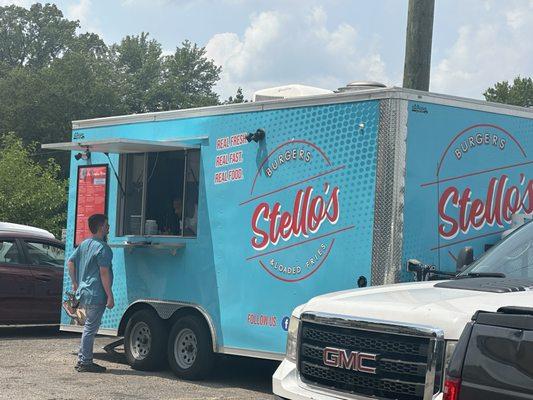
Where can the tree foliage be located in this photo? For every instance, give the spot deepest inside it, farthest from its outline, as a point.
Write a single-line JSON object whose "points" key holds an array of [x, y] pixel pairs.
{"points": [[239, 98], [34, 37], [189, 78], [40, 105], [139, 61], [519, 93], [34, 195], [155, 82], [51, 75]]}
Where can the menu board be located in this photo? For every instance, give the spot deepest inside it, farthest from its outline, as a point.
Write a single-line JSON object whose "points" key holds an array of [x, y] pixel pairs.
{"points": [[91, 198]]}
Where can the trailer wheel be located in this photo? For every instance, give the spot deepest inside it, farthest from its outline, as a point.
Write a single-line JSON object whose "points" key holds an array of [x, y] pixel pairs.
{"points": [[189, 350], [144, 341]]}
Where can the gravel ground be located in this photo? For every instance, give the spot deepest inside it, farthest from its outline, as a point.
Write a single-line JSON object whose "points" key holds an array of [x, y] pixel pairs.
{"points": [[37, 363]]}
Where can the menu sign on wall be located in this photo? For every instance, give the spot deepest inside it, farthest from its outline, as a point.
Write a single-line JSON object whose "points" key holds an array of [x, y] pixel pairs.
{"points": [[91, 198]]}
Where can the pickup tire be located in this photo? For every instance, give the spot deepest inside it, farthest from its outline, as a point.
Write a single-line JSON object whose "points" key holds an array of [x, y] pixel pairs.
{"points": [[190, 350], [145, 341]]}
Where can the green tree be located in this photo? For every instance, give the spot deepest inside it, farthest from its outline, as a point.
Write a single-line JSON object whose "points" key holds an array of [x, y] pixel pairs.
{"points": [[154, 82], [189, 78], [34, 37], [239, 98], [50, 76], [90, 44], [139, 61], [519, 93], [39, 105], [34, 195]]}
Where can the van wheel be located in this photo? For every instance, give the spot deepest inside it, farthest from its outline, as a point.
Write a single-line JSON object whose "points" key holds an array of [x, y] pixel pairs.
{"points": [[144, 341], [189, 350]]}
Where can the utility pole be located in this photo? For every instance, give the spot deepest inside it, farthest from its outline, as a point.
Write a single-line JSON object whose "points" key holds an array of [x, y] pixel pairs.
{"points": [[418, 44]]}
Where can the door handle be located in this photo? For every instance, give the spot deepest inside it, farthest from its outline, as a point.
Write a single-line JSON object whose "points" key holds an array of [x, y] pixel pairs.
{"points": [[44, 278]]}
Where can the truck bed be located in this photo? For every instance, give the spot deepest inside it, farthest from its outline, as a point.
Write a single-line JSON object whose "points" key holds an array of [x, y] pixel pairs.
{"points": [[498, 361]]}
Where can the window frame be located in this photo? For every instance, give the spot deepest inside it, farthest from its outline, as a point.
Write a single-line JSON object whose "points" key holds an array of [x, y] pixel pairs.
{"points": [[120, 226], [24, 242], [23, 262]]}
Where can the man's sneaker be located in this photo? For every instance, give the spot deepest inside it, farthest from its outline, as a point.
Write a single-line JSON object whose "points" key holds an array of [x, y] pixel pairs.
{"points": [[77, 365], [92, 367]]}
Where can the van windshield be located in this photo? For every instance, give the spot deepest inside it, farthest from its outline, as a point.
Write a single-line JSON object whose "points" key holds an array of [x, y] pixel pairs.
{"points": [[512, 257]]}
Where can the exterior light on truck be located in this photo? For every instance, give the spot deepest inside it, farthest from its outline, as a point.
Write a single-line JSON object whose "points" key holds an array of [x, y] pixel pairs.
{"points": [[292, 339], [444, 368], [257, 136], [450, 348], [451, 389], [86, 155]]}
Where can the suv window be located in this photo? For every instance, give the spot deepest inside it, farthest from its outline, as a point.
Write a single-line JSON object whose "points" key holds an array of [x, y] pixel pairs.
{"points": [[9, 252], [40, 253]]}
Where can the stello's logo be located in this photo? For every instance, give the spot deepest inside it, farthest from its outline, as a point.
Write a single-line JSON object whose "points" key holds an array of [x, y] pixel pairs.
{"points": [[496, 206], [500, 191], [307, 218]]}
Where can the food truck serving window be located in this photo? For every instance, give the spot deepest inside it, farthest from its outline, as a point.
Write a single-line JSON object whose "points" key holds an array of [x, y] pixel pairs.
{"points": [[160, 193]]}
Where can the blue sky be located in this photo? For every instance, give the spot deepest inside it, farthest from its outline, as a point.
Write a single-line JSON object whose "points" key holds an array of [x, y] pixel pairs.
{"points": [[326, 43]]}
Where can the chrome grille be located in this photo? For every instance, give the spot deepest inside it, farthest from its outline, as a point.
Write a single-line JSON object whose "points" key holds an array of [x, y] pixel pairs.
{"points": [[372, 342], [402, 364]]}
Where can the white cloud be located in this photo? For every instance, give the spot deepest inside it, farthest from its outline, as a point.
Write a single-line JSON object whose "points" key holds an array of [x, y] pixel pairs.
{"points": [[280, 48], [182, 4], [495, 47], [21, 3], [134, 3], [81, 11], [515, 18]]}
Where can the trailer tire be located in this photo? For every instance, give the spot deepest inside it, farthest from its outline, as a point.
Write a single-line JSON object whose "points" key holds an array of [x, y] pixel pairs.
{"points": [[145, 340], [189, 350]]}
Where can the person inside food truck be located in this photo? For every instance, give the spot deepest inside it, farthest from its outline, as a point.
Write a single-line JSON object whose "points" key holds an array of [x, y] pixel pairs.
{"points": [[173, 224], [178, 225], [177, 206]]}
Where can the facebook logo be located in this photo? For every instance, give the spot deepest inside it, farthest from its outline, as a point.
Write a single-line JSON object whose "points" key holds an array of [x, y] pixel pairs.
{"points": [[285, 323]]}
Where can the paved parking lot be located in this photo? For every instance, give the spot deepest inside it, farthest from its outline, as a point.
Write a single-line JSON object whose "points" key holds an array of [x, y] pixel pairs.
{"points": [[37, 363]]}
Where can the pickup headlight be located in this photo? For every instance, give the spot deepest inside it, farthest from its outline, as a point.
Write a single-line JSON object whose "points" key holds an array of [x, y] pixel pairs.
{"points": [[292, 339]]}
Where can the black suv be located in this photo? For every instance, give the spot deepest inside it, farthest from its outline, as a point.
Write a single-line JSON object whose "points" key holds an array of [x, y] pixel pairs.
{"points": [[493, 359]]}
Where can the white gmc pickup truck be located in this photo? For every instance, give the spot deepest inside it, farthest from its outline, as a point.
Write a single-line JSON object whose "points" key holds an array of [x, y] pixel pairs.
{"points": [[394, 342]]}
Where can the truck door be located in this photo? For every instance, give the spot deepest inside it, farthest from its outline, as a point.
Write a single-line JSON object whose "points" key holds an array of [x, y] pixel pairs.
{"points": [[16, 284], [46, 261]]}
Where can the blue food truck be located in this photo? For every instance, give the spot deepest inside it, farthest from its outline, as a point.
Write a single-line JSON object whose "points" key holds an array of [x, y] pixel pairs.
{"points": [[225, 218]]}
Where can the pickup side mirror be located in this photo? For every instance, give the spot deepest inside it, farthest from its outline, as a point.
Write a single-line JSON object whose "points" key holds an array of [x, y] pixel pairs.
{"points": [[464, 258], [421, 270], [413, 265]]}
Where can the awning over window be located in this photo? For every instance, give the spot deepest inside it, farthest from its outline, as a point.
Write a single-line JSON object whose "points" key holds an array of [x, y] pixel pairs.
{"points": [[122, 146]]}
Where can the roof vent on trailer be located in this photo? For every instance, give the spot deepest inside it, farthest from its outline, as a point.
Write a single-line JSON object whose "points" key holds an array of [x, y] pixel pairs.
{"points": [[287, 92], [360, 85]]}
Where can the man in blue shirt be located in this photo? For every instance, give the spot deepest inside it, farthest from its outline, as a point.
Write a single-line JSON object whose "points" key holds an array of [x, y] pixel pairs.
{"points": [[91, 274]]}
